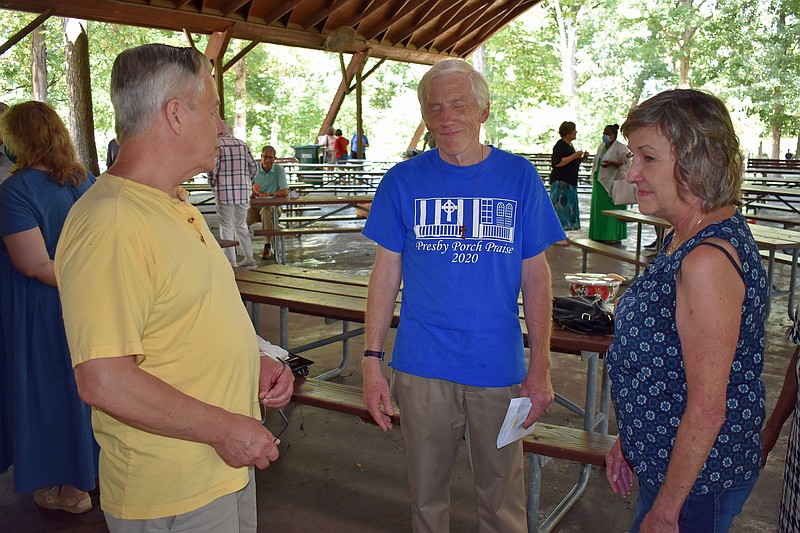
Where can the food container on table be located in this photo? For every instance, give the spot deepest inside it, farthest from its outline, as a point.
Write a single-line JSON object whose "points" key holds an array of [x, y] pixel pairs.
{"points": [[586, 284]]}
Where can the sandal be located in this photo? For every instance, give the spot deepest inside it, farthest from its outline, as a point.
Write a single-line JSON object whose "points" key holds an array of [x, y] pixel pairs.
{"points": [[51, 499]]}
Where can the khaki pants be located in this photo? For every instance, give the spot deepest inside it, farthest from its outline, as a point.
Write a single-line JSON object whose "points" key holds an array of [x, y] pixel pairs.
{"points": [[267, 218], [234, 513], [437, 415]]}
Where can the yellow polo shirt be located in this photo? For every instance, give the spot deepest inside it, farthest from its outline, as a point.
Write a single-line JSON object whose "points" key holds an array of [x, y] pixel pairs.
{"points": [[139, 272]]}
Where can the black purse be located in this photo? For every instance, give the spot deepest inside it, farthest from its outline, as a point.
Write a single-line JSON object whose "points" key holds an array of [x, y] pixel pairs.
{"points": [[583, 314]]}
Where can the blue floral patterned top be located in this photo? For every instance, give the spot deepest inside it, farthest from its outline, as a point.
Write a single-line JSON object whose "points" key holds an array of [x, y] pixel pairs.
{"points": [[648, 379]]}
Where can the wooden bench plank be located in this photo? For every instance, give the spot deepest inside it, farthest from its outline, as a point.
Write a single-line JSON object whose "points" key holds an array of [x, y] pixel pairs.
{"points": [[312, 218], [787, 223], [306, 231], [589, 246], [547, 439], [227, 243]]}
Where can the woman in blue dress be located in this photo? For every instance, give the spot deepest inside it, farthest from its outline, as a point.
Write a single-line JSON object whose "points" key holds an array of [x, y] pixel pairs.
{"points": [[46, 428], [688, 349]]}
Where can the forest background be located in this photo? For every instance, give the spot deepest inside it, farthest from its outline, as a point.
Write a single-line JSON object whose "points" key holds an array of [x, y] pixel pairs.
{"points": [[588, 62]]}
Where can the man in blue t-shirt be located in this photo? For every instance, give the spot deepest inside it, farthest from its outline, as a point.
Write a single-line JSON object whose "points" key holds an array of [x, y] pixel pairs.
{"points": [[464, 227], [354, 146]]}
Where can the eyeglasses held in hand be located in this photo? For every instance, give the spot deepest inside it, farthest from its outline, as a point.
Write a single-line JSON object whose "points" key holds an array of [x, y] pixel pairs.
{"points": [[264, 420]]}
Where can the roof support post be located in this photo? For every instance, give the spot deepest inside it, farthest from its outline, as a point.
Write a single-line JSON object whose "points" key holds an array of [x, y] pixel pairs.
{"points": [[353, 70], [215, 52]]}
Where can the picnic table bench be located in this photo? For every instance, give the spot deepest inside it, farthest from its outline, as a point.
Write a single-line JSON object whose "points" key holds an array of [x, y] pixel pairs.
{"points": [[588, 246], [772, 166], [547, 440], [312, 226]]}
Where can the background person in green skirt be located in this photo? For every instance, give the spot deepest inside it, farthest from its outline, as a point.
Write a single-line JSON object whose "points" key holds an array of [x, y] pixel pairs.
{"points": [[610, 163]]}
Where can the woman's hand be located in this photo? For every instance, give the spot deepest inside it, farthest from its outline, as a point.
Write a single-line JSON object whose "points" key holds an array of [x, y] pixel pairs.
{"points": [[618, 471]]}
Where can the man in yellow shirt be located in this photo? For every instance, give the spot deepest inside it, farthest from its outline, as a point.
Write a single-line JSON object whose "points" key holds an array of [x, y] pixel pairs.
{"points": [[160, 341]]}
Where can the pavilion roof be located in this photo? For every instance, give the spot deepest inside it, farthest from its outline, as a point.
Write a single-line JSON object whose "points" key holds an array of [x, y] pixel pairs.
{"points": [[416, 31]]}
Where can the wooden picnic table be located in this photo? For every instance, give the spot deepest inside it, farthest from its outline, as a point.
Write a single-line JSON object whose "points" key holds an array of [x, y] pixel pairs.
{"points": [[753, 197], [343, 297], [769, 238]]}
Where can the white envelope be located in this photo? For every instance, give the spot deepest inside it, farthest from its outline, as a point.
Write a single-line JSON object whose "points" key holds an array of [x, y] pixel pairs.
{"points": [[512, 430]]}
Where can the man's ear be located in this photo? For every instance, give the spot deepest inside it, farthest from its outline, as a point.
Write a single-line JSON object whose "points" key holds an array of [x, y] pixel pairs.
{"points": [[173, 111], [485, 113]]}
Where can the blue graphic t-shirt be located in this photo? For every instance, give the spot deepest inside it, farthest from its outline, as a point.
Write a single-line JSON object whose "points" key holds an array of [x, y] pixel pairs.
{"points": [[463, 233], [648, 378]]}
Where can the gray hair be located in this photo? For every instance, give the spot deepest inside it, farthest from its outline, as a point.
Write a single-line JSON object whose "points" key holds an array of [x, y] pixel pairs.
{"points": [[708, 160], [477, 82], [145, 77]]}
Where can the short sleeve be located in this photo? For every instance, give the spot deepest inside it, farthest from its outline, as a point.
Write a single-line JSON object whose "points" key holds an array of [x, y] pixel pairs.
{"points": [[17, 214], [794, 332], [384, 224], [282, 183], [101, 274]]}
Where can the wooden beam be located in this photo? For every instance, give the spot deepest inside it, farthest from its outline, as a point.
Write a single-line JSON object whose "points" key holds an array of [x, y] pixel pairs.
{"points": [[467, 48], [372, 8], [240, 55], [357, 63], [370, 71], [403, 11], [281, 10], [439, 9], [427, 40], [417, 134], [215, 52], [189, 38], [233, 6], [21, 34], [322, 14], [163, 17], [464, 28]]}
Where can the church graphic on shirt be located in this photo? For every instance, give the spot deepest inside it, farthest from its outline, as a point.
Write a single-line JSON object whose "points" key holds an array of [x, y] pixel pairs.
{"points": [[465, 218]]}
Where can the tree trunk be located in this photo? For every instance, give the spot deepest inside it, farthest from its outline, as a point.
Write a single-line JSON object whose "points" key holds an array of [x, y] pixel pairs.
{"points": [[79, 92], [776, 125], [39, 65], [240, 100]]}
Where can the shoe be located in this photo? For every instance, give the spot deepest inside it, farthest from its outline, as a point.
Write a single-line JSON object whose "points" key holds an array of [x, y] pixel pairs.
{"points": [[563, 242], [267, 253], [50, 499], [248, 264]]}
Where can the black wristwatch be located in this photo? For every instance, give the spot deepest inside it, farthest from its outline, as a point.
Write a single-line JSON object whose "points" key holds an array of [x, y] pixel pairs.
{"points": [[372, 353]]}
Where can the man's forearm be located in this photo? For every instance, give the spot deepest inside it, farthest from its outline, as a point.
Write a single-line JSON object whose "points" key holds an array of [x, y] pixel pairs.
{"points": [[139, 399]]}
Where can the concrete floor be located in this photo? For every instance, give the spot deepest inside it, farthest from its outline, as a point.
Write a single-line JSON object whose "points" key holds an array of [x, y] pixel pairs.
{"points": [[339, 474]]}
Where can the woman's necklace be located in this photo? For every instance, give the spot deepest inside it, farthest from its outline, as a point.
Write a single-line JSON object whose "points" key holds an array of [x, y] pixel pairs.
{"points": [[676, 242], [462, 230]]}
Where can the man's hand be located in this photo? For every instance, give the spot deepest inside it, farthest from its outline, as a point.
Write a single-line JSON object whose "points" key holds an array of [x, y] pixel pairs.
{"points": [[245, 442], [540, 391], [376, 393], [276, 383], [618, 471]]}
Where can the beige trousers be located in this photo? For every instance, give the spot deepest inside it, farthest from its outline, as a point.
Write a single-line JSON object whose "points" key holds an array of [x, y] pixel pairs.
{"points": [[436, 416]]}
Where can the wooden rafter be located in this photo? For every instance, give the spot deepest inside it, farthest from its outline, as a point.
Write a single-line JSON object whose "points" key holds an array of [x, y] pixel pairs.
{"points": [[323, 14], [468, 46], [463, 28], [235, 59], [234, 6], [418, 31], [281, 10], [401, 12]]}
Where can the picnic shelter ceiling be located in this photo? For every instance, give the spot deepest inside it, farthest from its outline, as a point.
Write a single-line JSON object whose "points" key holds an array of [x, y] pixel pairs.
{"points": [[416, 31]]}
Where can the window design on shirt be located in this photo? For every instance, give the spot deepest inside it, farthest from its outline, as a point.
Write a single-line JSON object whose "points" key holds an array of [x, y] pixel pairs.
{"points": [[465, 218]]}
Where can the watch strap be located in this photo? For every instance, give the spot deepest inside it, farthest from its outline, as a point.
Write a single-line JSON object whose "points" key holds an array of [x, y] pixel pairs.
{"points": [[372, 353]]}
